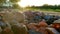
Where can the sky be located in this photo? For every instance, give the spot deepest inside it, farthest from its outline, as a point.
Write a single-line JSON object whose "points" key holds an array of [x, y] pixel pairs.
{"points": [[24, 3]]}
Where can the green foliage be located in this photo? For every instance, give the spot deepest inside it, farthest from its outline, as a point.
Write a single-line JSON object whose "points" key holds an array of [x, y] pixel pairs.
{"points": [[10, 3], [46, 6], [16, 6], [14, 1], [2, 1]]}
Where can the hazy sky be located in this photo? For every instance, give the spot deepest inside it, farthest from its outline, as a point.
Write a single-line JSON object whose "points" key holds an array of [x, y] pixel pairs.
{"points": [[24, 3]]}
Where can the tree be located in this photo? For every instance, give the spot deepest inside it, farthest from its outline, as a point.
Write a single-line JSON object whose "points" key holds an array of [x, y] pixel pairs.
{"points": [[14, 1], [2, 1], [16, 6], [45, 5], [10, 3], [58, 6]]}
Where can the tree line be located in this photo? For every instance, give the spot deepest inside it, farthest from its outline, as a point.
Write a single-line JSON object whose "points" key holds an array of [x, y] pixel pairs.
{"points": [[45, 6]]}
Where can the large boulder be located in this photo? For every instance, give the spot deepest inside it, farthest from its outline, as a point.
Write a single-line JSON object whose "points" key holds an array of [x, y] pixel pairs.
{"points": [[14, 15], [19, 29], [14, 18], [5, 26]]}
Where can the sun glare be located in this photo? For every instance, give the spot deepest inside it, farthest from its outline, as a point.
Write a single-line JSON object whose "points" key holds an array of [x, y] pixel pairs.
{"points": [[24, 3]]}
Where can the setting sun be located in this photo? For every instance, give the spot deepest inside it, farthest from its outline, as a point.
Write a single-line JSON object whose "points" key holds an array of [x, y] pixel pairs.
{"points": [[24, 3]]}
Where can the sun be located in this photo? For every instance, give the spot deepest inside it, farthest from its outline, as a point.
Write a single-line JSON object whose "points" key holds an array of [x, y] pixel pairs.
{"points": [[23, 3]]}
